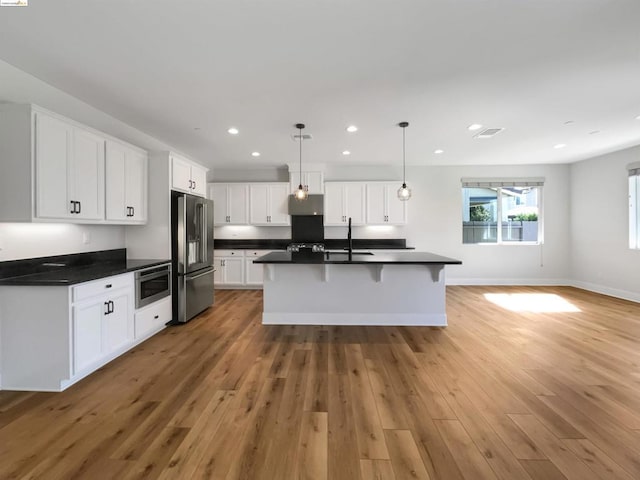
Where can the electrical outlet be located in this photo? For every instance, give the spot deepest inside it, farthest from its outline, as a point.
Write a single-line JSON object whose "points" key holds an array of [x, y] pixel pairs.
{"points": [[86, 237]]}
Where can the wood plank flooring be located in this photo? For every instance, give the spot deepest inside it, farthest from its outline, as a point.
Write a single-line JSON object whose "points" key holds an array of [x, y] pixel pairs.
{"points": [[543, 384]]}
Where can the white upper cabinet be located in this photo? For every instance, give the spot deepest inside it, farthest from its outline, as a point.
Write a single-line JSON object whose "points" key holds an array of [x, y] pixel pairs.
{"points": [[55, 170], [343, 200], [269, 204], [313, 182], [230, 203], [126, 183], [383, 206], [69, 164], [53, 161], [188, 177]]}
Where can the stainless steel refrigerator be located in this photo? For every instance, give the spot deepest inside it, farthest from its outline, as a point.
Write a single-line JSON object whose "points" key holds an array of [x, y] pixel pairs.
{"points": [[192, 255]]}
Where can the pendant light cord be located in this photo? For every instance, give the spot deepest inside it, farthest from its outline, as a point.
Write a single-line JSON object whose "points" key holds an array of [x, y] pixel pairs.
{"points": [[404, 176], [300, 129]]}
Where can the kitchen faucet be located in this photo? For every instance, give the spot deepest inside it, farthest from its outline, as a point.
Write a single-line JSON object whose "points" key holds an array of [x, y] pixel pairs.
{"points": [[350, 240]]}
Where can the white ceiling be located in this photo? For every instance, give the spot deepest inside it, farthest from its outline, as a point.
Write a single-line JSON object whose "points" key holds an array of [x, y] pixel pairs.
{"points": [[167, 67]]}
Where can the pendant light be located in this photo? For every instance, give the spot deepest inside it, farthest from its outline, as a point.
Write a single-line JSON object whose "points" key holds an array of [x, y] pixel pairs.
{"points": [[404, 192], [300, 193]]}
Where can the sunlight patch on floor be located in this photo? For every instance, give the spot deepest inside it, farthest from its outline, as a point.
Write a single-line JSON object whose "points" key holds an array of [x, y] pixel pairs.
{"points": [[531, 302]]}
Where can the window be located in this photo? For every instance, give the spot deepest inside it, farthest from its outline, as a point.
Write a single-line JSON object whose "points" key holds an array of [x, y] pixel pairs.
{"points": [[634, 205], [502, 211]]}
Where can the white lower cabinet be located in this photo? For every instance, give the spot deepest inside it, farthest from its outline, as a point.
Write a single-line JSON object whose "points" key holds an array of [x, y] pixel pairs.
{"points": [[87, 335], [152, 318], [253, 271], [53, 336], [235, 268], [117, 324], [101, 326], [229, 267], [102, 319]]}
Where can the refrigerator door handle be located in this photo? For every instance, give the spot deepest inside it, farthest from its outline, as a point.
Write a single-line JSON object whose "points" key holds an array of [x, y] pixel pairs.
{"points": [[181, 234], [205, 231]]}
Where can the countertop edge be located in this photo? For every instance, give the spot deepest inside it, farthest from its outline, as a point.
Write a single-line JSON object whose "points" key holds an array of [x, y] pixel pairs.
{"points": [[25, 281]]}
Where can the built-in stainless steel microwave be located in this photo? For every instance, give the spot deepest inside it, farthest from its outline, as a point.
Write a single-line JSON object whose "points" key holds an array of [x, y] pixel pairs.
{"points": [[152, 284]]}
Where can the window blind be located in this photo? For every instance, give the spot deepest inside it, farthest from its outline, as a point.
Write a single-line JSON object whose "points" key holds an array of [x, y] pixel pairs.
{"points": [[502, 182], [634, 169]]}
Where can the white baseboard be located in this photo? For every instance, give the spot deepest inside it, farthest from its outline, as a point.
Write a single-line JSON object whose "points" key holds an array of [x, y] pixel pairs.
{"points": [[612, 292], [532, 282], [510, 281], [389, 319]]}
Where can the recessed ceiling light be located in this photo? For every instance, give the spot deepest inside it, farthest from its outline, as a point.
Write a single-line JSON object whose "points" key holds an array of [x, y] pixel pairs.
{"points": [[569, 122], [352, 128], [233, 131], [474, 126], [438, 152], [346, 152], [595, 132], [560, 145], [255, 154]]}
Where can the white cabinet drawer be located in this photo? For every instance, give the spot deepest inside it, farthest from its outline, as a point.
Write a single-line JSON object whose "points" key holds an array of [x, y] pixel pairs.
{"points": [[102, 286], [152, 317], [257, 253], [228, 253]]}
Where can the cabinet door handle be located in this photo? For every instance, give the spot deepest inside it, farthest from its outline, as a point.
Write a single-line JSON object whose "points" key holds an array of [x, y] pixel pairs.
{"points": [[133, 211], [155, 317], [79, 207], [106, 304], [73, 206], [111, 309], [194, 185], [108, 285]]}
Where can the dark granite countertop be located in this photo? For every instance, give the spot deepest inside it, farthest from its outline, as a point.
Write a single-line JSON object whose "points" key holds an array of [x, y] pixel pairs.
{"points": [[395, 258], [330, 244], [64, 270]]}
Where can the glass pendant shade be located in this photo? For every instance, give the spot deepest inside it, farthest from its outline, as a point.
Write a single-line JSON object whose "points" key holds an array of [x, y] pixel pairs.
{"points": [[404, 192], [301, 193]]}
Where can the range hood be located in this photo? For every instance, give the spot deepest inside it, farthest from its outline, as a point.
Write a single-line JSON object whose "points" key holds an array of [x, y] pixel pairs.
{"points": [[312, 205]]}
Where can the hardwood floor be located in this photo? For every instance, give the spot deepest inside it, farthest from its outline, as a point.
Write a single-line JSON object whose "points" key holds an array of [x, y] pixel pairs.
{"points": [[525, 383]]}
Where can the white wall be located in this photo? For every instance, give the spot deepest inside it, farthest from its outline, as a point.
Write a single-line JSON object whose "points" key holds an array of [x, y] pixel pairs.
{"points": [[601, 259], [27, 240], [435, 225]]}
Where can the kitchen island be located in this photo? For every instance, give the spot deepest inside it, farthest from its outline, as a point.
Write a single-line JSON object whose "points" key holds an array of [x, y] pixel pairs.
{"points": [[399, 288]]}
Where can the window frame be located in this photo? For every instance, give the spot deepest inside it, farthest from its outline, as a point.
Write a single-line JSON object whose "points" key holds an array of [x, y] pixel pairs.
{"points": [[499, 184], [634, 206]]}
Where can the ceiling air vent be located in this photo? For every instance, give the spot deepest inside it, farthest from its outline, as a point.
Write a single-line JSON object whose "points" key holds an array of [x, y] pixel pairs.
{"points": [[305, 136], [488, 132]]}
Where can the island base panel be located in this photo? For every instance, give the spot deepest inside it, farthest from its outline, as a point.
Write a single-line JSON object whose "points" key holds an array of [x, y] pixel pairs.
{"points": [[354, 295]]}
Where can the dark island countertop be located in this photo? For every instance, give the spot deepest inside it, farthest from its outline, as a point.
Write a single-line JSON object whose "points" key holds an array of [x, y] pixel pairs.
{"points": [[343, 258], [65, 270], [329, 243]]}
